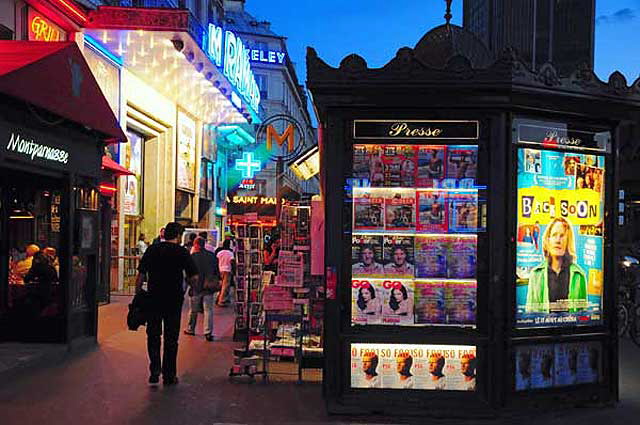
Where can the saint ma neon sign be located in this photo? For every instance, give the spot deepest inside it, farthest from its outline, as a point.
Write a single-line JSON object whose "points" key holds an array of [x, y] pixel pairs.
{"points": [[229, 53]]}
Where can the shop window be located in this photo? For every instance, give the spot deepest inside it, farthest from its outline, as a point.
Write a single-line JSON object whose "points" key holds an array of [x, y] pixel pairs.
{"points": [[5, 33], [35, 301], [263, 84]]}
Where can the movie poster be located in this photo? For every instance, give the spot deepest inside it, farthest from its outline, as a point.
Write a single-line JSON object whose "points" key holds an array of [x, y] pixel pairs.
{"points": [[566, 364], [429, 302], [400, 210], [463, 212], [399, 260], [397, 308], [368, 212], [367, 298], [523, 368], [412, 366], [400, 165], [461, 258], [431, 257], [432, 211], [431, 166], [367, 256], [589, 362], [460, 302], [542, 366], [560, 229]]}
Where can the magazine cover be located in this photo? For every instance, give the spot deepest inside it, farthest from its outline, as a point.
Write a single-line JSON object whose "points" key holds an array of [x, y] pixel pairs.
{"points": [[367, 164], [367, 297], [400, 165], [400, 369], [397, 308], [366, 365], [463, 212], [429, 302], [523, 368], [400, 210], [461, 258], [366, 256], [431, 165], [431, 257], [399, 257], [462, 162], [447, 367], [460, 302], [566, 364], [368, 212], [432, 212], [542, 365], [589, 362]]}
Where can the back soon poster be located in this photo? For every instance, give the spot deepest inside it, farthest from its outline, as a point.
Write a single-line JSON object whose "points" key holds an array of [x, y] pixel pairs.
{"points": [[559, 254]]}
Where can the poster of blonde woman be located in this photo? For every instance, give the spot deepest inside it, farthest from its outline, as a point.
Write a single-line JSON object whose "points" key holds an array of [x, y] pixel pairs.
{"points": [[559, 254]]}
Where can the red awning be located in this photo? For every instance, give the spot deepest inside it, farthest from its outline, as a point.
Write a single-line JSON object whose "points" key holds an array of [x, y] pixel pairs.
{"points": [[115, 168], [56, 77]]}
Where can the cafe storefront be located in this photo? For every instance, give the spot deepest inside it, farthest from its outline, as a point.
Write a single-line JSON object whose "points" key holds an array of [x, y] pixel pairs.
{"points": [[52, 137]]}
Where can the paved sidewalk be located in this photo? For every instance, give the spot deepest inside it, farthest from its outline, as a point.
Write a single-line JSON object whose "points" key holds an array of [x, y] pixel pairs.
{"points": [[108, 385]]}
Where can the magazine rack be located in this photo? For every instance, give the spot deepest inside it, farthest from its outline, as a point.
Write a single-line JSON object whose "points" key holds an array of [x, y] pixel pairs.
{"points": [[445, 174]]}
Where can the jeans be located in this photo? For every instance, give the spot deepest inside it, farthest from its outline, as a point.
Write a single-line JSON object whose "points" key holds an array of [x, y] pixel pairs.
{"points": [[223, 296], [196, 302], [170, 317]]}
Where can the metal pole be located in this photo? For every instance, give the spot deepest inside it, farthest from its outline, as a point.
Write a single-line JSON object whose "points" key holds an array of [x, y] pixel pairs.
{"points": [[279, 173]]}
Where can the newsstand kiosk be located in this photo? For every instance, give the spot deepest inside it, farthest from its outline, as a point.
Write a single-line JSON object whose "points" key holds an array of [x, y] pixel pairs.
{"points": [[470, 247]]}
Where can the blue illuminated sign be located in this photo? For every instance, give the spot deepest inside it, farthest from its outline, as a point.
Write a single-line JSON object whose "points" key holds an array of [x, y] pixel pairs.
{"points": [[230, 54], [267, 56], [248, 165]]}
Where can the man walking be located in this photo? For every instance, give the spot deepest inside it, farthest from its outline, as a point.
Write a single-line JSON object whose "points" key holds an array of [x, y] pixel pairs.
{"points": [[201, 292], [226, 261], [165, 264]]}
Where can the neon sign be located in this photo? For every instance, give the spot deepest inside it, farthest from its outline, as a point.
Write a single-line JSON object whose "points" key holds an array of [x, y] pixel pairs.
{"points": [[248, 165], [230, 54], [267, 56], [42, 29]]}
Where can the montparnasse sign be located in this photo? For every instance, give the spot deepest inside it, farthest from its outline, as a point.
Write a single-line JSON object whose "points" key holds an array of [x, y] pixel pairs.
{"points": [[228, 52]]}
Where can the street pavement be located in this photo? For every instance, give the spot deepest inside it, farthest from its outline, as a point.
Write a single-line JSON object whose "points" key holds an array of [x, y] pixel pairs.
{"points": [[108, 385]]}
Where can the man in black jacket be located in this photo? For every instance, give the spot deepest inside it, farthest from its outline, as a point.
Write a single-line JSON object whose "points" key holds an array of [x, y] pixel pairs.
{"points": [[165, 263], [202, 291]]}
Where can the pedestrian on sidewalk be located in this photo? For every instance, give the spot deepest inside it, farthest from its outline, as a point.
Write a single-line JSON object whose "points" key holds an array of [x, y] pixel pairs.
{"points": [[165, 264], [226, 260], [201, 292], [159, 238]]}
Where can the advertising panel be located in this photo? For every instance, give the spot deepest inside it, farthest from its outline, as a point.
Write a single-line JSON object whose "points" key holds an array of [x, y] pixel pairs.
{"points": [[559, 254], [186, 153], [133, 161], [413, 366]]}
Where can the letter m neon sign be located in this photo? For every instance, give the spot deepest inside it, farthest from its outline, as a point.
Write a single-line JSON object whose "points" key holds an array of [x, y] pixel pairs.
{"points": [[287, 136]]}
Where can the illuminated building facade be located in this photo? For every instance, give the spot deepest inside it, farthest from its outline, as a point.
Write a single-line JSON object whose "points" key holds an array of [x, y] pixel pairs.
{"points": [[281, 94]]}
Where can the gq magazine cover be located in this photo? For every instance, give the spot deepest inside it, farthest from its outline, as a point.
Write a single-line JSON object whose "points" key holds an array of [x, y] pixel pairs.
{"points": [[411, 366], [400, 210], [398, 255], [367, 164], [463, 212], [431, 257], [462, 162], [367, 298], [397, 308], [429, 302], [433, 211], [366, 256], [432, 166], [559, 253]]}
